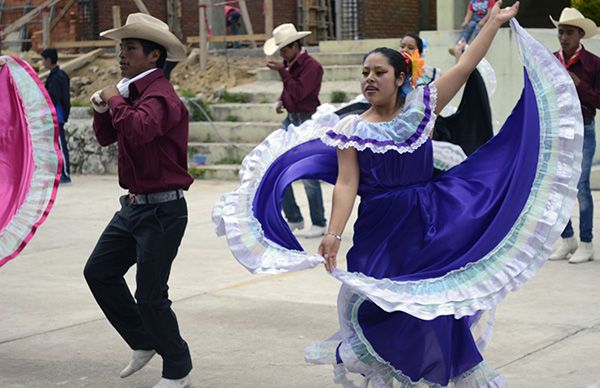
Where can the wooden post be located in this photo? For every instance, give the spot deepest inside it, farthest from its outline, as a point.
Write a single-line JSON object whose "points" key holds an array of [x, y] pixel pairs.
{"points": [[268, 18], [305, 12], [141, 6], [338, 21], [246, 18], [116, 14], [26, 18], [46, 28], [329, 21], [71, 66], [203, 35], [62, 14], [174, 17]]}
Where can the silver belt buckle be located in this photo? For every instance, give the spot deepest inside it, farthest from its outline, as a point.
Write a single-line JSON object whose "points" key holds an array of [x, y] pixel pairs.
{"points": [[132, 199]]}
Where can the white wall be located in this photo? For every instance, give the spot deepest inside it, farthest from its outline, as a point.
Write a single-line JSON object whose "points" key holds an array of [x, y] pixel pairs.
{"points": [[504, 57]]}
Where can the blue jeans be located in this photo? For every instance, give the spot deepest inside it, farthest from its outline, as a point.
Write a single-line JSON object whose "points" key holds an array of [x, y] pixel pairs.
{"points": [[584, 193], [472, 29], [313, 193], [234, 21]]}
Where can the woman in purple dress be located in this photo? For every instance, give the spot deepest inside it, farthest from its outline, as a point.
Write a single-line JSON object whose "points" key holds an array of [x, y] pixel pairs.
{"points": [[431, 256]]}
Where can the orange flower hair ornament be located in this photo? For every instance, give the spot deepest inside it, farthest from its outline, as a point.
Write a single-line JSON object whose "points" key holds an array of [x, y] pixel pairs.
{"points": [[417, 67]]}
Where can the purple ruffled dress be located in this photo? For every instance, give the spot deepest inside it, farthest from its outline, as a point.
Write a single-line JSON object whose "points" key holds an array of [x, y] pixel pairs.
{"points": [[431, 256]]}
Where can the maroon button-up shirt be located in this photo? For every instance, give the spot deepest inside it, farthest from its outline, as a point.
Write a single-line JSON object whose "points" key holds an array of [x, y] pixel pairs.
{"points": [[587, 69], [301, 84], [151, 131]]}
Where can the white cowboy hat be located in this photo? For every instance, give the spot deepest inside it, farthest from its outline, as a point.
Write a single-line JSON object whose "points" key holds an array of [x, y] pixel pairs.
{"points": [[572, 17], [144, 26], [282, 36]]}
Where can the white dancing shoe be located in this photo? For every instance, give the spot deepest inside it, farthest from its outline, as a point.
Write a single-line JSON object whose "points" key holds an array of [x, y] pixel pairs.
{"points": [[566, 247], [139, 359], [178, 383], [296, 225], [315, 231], [583, 254]]}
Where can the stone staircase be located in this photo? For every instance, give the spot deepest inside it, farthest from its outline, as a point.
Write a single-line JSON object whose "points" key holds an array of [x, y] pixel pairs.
{"points": [[238, 127], [341, 61]]}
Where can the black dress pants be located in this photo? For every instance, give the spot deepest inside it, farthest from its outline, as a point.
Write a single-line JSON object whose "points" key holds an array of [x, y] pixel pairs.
{"points": [[149, 236]]}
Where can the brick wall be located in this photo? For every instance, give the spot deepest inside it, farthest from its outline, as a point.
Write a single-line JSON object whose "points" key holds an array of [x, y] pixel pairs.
{"points": [[377, 18], [284, 11], [104, 11], [432, 16], [65, 30], [388, 18]]}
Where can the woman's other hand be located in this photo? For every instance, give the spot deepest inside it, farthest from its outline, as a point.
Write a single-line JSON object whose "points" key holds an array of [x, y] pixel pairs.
{"points": [[502, 15], [329, 248]]}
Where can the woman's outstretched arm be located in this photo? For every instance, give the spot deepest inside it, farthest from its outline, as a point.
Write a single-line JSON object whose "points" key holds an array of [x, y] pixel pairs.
{"points": [[450, 82], [344, 195]]}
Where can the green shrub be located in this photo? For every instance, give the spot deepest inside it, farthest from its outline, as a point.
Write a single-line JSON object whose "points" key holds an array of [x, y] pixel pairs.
{"points": [[338, 96], [201, 172], [235, 159], [197, 107], [589, 9], [235, 97], [78, 103], [187, 93]]}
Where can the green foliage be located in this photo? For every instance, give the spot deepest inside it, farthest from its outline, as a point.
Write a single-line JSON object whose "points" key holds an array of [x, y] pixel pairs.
{"points": [[231, 159], [197, 107], [589, 9], [232, 118], [338, 96], [235, 97], [187, 93], [200, 172], [78, 103]]}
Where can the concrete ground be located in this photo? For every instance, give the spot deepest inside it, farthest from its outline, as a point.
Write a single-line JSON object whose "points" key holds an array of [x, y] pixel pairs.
{"points": [[246, 330]]}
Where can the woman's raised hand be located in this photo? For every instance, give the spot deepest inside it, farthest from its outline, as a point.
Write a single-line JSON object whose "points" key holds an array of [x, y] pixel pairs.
{"points": [[502, 15]]}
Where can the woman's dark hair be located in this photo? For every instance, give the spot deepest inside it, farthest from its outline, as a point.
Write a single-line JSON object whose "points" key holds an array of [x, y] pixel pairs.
{"points": [[418, 40], [399, 62], [148, 46], [52, 54]]}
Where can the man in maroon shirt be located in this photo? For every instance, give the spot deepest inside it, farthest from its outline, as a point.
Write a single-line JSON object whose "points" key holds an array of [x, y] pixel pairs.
{"points": [[584, 68], [149, 123], [301, 75]]}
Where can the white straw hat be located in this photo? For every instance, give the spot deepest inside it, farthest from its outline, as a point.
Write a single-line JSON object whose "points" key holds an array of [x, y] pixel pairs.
{"points": [[572, 17], [144, 26], [282, 36]]}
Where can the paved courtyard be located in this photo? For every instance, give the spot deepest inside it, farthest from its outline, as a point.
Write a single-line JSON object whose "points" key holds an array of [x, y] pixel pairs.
{"points": [[246, 330]]}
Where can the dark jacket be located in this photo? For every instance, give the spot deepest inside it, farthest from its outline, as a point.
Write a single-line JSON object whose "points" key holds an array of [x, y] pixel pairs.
{"points": [[58, 86]]}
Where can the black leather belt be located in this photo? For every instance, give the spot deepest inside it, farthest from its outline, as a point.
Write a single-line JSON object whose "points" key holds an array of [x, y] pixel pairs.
{"points": [[153, 198]]}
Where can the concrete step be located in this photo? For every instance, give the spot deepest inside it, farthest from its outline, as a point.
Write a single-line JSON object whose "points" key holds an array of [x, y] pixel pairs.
{"points": [[238, 132], [357, 46], [342, 58], [269, 91], [225, 172], [220, 153], [240, 112], [331, 73], [80, 113]]}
